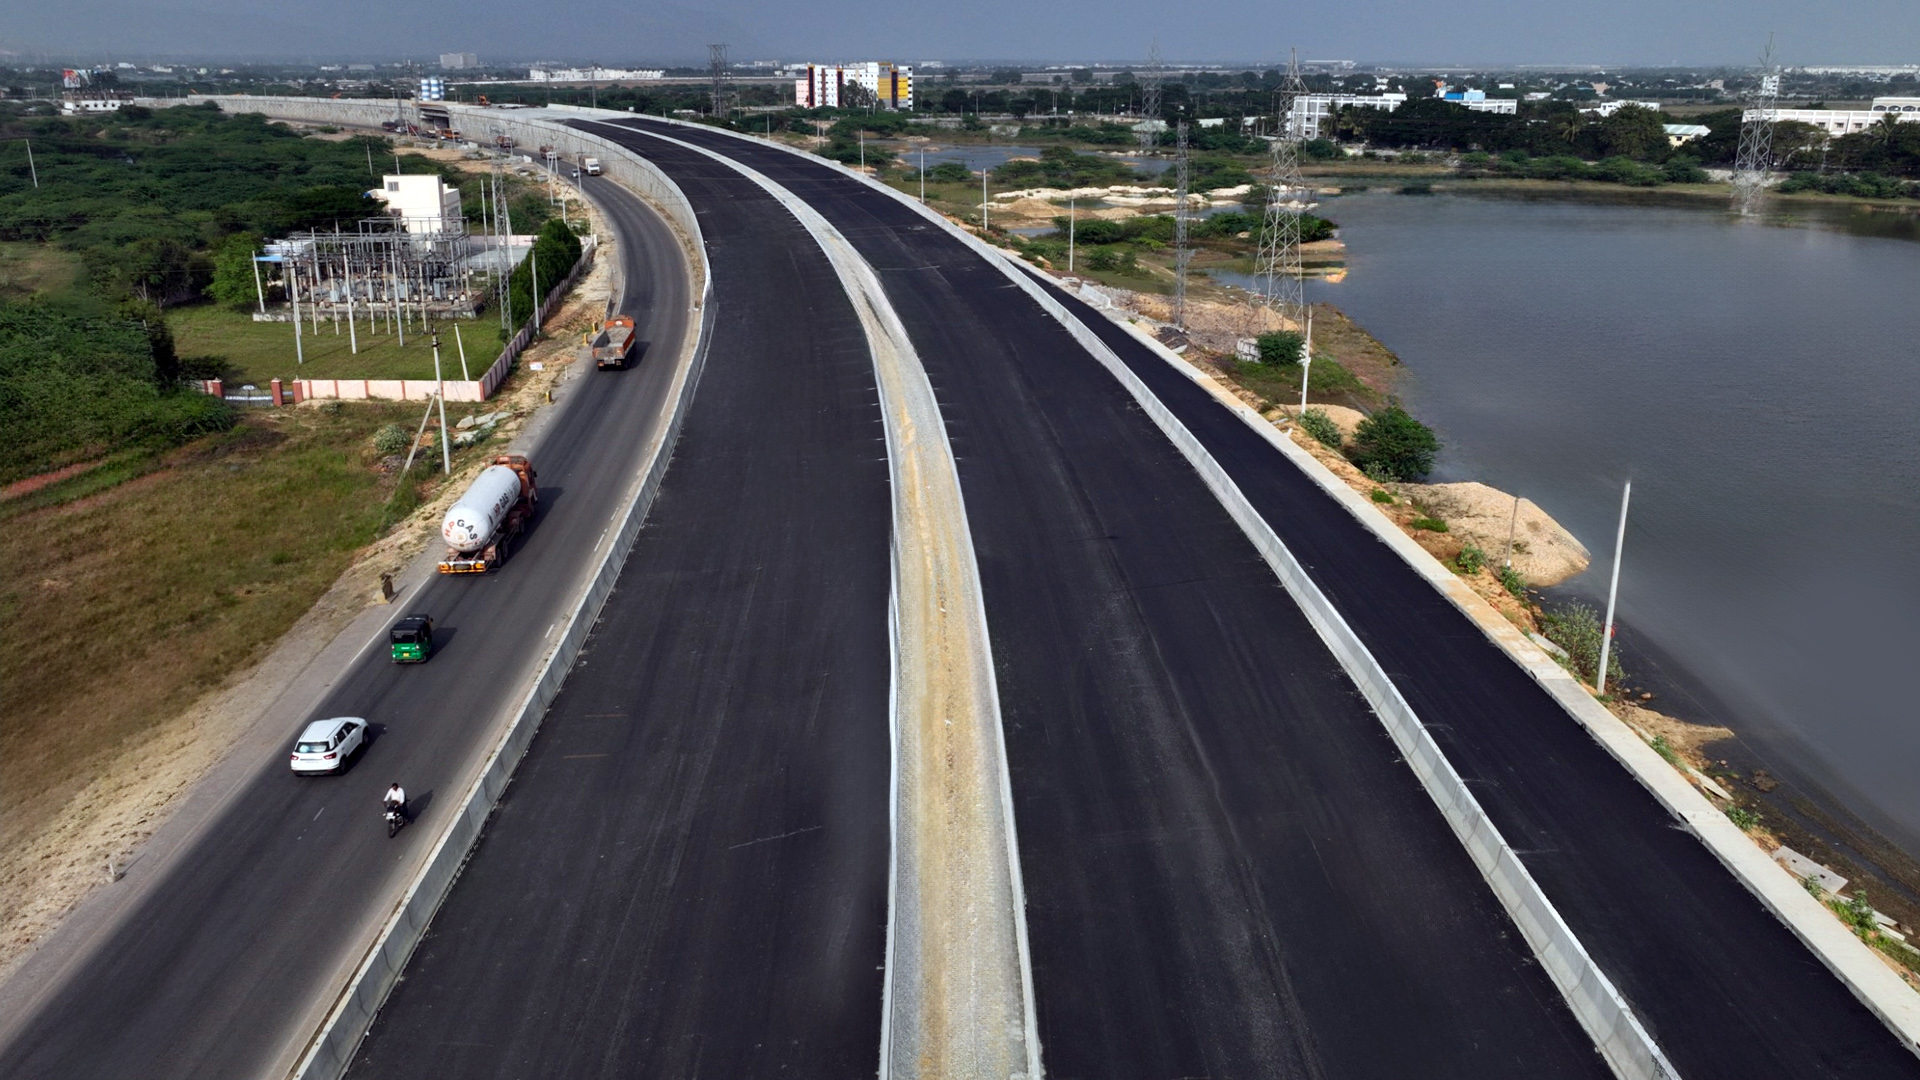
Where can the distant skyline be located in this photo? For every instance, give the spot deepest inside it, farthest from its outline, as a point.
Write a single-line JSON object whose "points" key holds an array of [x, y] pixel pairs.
{"points": [[1624, 33]]}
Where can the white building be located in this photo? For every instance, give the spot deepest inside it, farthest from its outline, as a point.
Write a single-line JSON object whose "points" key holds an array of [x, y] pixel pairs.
{"points": [[823, 85], [595, 74], [1608, 108], [1310, 114], [103, 101], [458, 61], [1685, 133], [1837, 122], [1476, 100], [422, 202], [433, 88]]}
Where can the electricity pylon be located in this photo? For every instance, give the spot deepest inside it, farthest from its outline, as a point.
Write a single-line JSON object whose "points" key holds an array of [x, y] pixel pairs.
{"points": [[1755, 156], [1278, 266]]}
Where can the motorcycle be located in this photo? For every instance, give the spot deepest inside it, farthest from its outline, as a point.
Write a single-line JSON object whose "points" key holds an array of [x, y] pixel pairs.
{"points": [[396, 820]]}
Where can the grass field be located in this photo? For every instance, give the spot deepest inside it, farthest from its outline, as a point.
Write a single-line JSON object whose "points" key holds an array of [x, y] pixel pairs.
{"points": [[255, 352], [30, 269], [126, 606]]}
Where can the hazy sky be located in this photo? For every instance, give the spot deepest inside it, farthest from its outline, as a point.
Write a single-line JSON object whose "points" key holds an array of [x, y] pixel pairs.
{"points": [[1652, 32]]}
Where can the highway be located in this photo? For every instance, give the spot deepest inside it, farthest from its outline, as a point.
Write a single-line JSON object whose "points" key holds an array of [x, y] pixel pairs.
{"points": [[227, 962], [1228, 870], [689, 873], [1208, 892]]}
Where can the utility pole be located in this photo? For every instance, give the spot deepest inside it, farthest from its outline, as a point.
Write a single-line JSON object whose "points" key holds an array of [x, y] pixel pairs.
{"points": [[923, 176], [1613, 591], [440, 396], [1755, 155], [983, 197], [1182, 253], [293, 294], [1071, 220], [1513, 525], [1278, 264], [30, 167]]}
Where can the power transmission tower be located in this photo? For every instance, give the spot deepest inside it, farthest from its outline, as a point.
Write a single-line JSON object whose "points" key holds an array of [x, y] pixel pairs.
{"points": [[1755, 156], [1278, 268], [1182, 254], [722, 75], [1150, 101]]}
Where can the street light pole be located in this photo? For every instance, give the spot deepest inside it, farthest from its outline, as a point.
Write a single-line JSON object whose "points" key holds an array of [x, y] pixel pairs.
{"points": [[1072, 219], [1613, 591], [1306, 363]]}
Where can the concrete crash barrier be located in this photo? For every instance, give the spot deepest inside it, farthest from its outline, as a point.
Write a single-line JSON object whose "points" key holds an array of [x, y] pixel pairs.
{"points": [[1619, 1036], [331, 1049]]}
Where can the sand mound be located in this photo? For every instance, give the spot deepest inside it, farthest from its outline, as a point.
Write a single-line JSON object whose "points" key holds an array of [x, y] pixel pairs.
{"points": [[1543, 552]]}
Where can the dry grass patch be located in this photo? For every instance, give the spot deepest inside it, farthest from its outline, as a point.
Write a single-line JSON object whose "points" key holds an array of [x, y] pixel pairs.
{"points": [[142, 597]]}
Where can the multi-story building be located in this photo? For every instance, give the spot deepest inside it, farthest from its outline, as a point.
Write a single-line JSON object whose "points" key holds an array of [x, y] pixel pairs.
{"points": [[1311, 112], [422, 202], [824, 85], [433, 88], [1476, 100], [458, 61], [1849, 121]]}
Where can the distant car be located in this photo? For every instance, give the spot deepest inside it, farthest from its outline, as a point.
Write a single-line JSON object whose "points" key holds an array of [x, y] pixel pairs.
{"points": [[325, 745]]}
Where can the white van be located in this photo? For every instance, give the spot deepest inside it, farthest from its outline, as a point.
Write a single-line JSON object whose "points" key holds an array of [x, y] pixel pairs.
{"points": [[592, 165]]}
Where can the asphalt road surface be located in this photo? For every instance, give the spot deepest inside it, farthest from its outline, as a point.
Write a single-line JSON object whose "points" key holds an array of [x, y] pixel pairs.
{"points": [[219, 971], [688, 876], [1723, 986], [1229, 872]]}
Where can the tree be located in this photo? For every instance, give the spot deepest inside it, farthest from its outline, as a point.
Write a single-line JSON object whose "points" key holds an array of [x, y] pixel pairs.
{"points": [[1635, 132], [1280, 347], [1391, 445], [233, 280]]}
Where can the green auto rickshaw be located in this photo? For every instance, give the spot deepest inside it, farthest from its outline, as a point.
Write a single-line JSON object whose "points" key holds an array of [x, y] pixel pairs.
{"points": [[412, 639]]}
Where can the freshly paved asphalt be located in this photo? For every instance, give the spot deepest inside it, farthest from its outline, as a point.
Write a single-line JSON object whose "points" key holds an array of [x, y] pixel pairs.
{"points": [[217, 972], [688, 875], [1228, 870], [1723, 986]]}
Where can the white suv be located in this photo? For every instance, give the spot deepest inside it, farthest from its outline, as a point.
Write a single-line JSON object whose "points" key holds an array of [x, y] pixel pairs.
{"points": [[325, 745]]}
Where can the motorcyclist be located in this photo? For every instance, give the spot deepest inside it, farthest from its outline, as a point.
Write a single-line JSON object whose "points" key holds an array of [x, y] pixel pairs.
{"points": [[395, 799]]}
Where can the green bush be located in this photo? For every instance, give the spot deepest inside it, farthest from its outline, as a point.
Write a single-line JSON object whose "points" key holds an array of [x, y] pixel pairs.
{"points": [[1318, 424], [1429, 524], [1742, 818], [1511, 581], [1576, 628], [948, 172], [1382, 495], [1471, 560], [1391, 445], [1280, 347], [390, 440]]}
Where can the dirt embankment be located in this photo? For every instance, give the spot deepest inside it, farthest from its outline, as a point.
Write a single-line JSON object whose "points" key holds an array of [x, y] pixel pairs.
{"points": [[80, 796]]}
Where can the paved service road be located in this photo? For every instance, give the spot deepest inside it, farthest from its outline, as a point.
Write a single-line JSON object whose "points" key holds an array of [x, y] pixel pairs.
{"points": [[1229, 872], [226, 966], [688, 876]]}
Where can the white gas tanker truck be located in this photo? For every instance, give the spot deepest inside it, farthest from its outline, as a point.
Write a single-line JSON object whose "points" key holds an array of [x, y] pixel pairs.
{"points": [[482, 526]]}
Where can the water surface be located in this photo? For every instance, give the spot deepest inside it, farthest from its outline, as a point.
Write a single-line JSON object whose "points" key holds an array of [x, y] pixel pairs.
{"points": [[1758, 382]]}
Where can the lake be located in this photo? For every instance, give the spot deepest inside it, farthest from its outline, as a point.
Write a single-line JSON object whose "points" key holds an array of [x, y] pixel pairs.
{"points": [[1759, 382]]}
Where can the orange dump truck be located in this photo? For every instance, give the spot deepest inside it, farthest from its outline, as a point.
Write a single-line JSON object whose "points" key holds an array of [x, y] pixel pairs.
{"points": [[482, 526], [612, 345]]}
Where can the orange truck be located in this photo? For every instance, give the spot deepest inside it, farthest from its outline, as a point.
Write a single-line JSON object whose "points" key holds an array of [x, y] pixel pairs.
{"points": [[612, 345], [480, 529]]}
